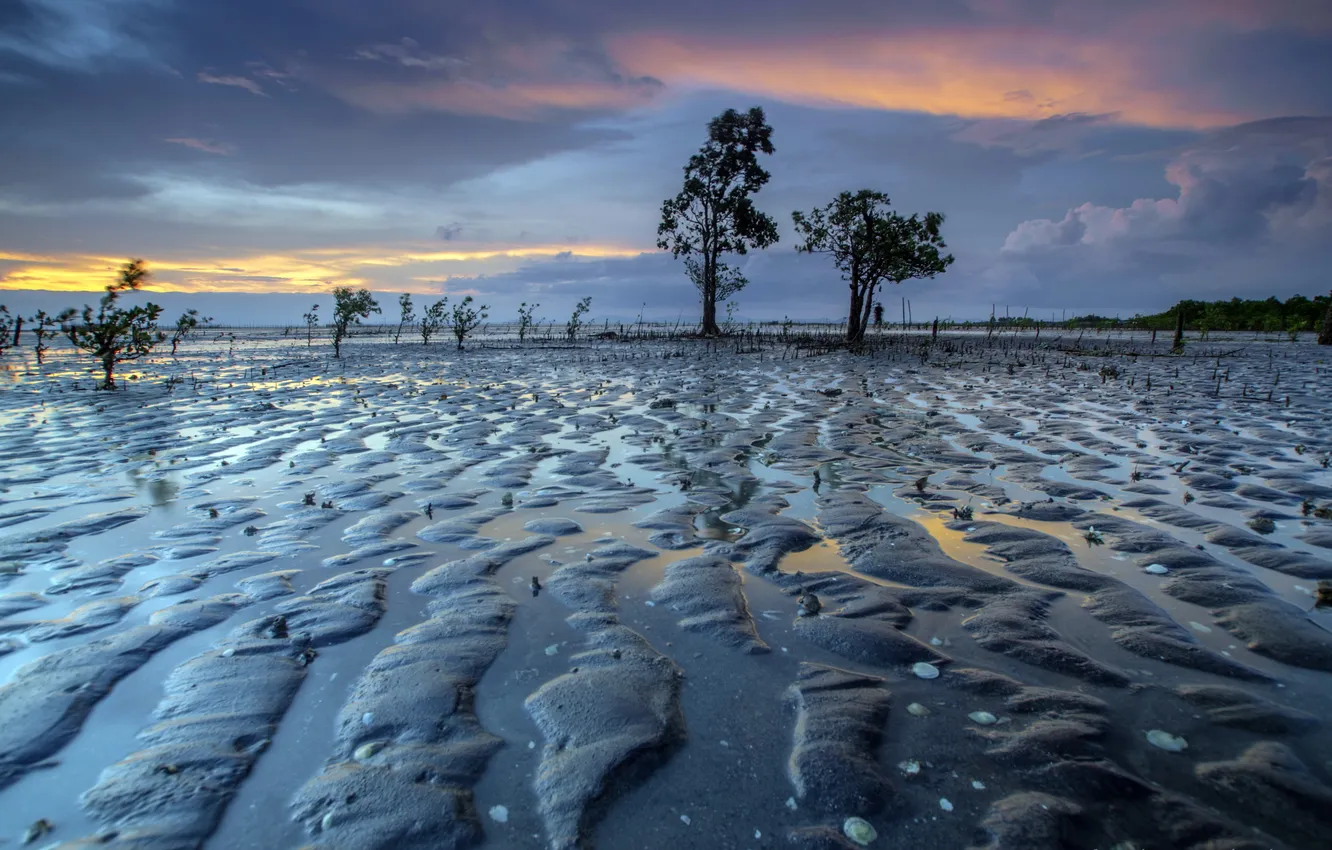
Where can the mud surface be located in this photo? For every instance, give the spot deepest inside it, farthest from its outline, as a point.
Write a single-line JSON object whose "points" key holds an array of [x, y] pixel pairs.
{"points": [[985, 594]]}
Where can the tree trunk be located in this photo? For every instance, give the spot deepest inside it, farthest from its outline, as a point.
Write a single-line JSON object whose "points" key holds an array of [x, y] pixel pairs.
{"points": [[934, 331], [1179, 331], [710, 303], [854, 330], [108, 366], [18, 329], [1325, 332]]}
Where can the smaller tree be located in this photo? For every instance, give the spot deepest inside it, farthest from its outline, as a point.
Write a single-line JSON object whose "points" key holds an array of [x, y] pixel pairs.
{"points": [[576, 320], [350, 306], [115, 335], [186, 325], [311, 322], [433, 320], [407, 317], [466, 319], [45, 327], [870, 244], [525, 311]]}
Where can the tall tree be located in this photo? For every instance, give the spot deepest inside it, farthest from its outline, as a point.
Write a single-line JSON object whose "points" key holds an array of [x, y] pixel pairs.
{"points": [[870, 244], [113, 334], [714, 215]]}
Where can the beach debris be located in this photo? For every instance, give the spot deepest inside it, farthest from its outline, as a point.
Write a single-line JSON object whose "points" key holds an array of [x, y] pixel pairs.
{"points": [[536, 585], [809, 605], [1262, 525], [308, 499], [791, 803], [859, 830], [964, 513], [945, 804], [925, 671], [684, 819], [1156, 569], [507, 499], [366, 751], [918, 710], [39, 829], [910, 767], [1165, 741], [251, 530], [978, 785], [499, 814], [1323, 594], [553, 649], [1093, 537], [922, 482], [984, 718]]}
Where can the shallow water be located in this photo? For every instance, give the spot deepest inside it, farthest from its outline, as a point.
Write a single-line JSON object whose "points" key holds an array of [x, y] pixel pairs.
{"points": [[837, 475]]}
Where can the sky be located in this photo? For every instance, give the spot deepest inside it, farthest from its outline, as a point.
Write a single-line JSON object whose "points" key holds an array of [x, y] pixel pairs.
{"points": [[1089, 156]]}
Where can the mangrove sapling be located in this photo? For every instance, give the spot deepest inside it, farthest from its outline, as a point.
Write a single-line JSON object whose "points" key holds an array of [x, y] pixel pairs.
{"points": [[576, 320], [350, 306], [311, 322], [113, 334], [408, 315], [6, 328], [45, 327], [186, 325], [433, 320], [525, 319], [465, 319]]}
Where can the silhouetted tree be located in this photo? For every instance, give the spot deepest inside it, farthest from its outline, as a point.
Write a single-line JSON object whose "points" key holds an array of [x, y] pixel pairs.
{"points": [[350, 306], [714, 215], [870, 244], [408, 315], [311, 322], [6, 328], [466, 319], [45, 327], [113, 334], [187, 324], [433, 320], [525, 312], [576, 319]]}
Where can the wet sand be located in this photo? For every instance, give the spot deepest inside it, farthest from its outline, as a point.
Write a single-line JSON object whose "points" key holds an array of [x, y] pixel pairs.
{"points": [[978, 594]]}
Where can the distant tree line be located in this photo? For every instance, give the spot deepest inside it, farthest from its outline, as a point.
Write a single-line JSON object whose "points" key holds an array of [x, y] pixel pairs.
{"points": [[1295, 315]]}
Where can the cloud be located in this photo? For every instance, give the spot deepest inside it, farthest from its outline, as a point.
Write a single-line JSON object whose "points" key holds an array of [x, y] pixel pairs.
{"points": [[1261, 190], [80, 34], [220, 148], [232, 80], [384, 267], [410, 55]]}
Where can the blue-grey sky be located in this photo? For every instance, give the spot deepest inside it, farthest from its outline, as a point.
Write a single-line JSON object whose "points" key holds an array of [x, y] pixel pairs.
{"points": [[1107, 156]]}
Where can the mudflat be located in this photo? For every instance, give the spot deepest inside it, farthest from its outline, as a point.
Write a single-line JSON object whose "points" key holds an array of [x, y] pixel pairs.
{"points": [[977, 592]]}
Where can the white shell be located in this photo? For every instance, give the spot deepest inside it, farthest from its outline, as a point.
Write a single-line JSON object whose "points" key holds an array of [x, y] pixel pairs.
{"points": [[1166, 741], [860, 831], [925, 671], [984, 718]]}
